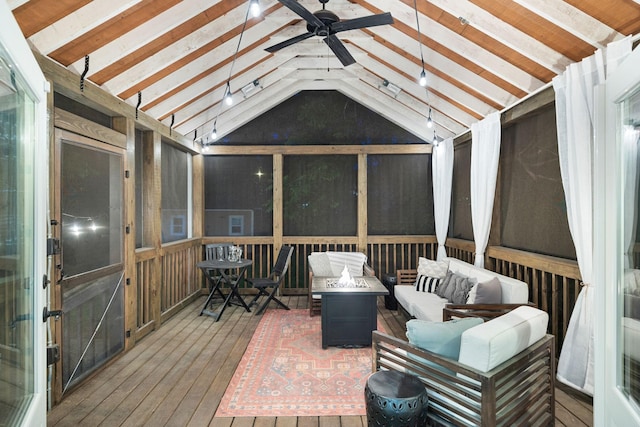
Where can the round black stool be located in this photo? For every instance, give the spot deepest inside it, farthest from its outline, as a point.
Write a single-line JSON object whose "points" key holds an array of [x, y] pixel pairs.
{"points": [[395, 399]]}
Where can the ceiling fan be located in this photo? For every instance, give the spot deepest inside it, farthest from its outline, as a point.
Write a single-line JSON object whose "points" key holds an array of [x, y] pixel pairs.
{"points": [[325, 23]]}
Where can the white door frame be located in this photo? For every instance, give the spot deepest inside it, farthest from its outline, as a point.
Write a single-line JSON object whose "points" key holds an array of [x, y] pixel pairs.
{"points": [[611, 407], [18, 50]]}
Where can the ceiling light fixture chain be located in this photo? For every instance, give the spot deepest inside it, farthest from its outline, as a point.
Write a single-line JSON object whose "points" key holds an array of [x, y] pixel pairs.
{"points": [[423, 73]]}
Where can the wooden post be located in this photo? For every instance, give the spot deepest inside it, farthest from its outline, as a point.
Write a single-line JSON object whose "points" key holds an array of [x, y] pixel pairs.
{"points": [[126, 126], [362, 204], [152, 205], [278, 216]]}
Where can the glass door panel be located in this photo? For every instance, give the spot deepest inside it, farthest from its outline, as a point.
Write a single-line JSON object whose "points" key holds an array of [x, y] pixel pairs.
{"points": [[628, 322], [616, 254], [91, 200], [20, 343]]}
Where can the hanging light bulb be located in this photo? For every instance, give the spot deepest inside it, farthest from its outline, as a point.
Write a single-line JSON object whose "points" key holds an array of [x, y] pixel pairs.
{"points": [[214, 133], [254, 8], [429, 120], [423, 78], [435, 138], [228, 99]]}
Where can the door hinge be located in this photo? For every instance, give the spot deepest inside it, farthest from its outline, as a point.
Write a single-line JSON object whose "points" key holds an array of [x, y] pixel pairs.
{"points": [[127, 229], [53, 246], [126, 174], [53, 354]]}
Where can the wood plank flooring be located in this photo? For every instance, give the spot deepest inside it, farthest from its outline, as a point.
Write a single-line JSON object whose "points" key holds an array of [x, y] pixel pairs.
{"points": [[177, 375]]}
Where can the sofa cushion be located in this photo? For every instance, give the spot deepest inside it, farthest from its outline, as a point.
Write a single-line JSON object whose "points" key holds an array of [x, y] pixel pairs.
{"points": [[442, 338], [427, 267], [320, 265], [353, 260], [427, 283], [429, 307], [496, 341], [421, 305]]}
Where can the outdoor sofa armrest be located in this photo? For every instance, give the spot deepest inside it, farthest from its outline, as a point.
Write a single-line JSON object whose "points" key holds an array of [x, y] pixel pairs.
{"points": [[485, 311]]}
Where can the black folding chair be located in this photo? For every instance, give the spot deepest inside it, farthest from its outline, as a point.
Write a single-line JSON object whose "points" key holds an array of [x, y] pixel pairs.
{"points": [[268, 286], [210, 253]]}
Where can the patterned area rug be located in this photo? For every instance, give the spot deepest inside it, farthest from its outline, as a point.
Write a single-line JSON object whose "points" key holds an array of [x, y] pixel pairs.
{"points": [[285, 372]]}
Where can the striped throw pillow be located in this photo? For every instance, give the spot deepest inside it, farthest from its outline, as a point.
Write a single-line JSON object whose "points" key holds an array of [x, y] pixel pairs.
{"points": [[427, 284]]}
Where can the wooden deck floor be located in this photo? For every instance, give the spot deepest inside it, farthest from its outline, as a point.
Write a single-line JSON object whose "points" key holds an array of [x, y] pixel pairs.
{"points": [[177, 376]]}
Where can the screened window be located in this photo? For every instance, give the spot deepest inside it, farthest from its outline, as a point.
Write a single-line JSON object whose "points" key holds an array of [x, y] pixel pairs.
{"points": [[460, 217], [238, 195], [533, 210], [400, 195], [320, 195], [176, 172]]}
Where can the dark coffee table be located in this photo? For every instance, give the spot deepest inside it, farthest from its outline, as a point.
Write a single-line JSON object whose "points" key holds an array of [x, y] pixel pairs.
{"points": [[349, 314]]}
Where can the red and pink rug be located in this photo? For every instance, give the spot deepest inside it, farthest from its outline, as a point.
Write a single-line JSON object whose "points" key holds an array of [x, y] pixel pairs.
{"points": [[285, 372]]}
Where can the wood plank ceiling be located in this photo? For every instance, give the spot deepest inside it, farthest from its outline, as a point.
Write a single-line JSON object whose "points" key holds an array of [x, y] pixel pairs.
{"points": [[176, 56]]}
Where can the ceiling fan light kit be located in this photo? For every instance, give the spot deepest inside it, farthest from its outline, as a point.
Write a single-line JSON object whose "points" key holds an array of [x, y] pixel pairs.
{"points": [[324, 23]]}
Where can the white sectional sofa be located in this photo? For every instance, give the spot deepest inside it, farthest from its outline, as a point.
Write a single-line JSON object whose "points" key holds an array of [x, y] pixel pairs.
{"points": [[425, 302]]}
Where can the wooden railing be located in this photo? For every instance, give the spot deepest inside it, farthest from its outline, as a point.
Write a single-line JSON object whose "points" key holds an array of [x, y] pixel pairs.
{"points": [[166, 279], [390, 253], [147, 281], [386, 254], [553, 282]]}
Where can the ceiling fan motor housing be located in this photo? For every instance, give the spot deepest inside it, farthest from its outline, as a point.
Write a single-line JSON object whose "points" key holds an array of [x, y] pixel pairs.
{"points": [[327, 17]]}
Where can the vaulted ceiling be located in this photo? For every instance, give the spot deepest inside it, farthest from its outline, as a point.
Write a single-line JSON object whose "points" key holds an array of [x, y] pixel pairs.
{"points": [[173, 58]]}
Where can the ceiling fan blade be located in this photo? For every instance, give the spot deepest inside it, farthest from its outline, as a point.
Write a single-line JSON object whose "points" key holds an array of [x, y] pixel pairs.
{"points": [[302, 12], [289, 42], [339, 50], [365, 21]]}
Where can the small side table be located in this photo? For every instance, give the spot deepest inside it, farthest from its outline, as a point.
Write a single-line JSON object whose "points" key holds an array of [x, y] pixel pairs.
{"points": [[395, 399], [389, 281]]}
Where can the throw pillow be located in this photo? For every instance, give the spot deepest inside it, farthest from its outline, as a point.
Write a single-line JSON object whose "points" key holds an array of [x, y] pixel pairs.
{"points": [[452, 285], [461, 291], [442, 338], [427, 267], [444, 284], [427, 284], [489, 292]]}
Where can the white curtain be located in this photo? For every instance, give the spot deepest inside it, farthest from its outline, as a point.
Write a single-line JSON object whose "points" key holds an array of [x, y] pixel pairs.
{"points": [[574, 91], [485, 154], [442, 172]]}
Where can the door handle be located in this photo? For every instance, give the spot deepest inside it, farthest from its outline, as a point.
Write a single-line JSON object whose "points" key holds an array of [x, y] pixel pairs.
{"points": [[53, 313]]}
